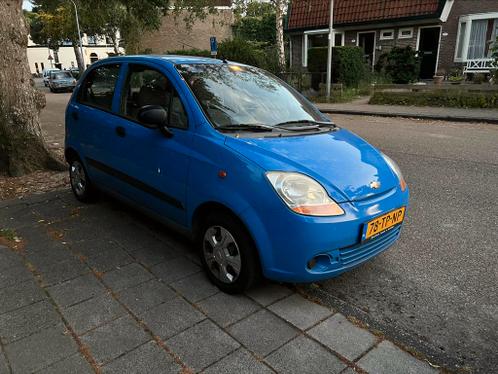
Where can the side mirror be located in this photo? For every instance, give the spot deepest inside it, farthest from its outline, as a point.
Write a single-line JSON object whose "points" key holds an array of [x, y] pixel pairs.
{"points": [[154, 117]]}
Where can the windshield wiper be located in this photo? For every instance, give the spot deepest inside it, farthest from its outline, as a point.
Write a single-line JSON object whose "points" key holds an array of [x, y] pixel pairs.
{"points": [[245, 127], [310, 125]]}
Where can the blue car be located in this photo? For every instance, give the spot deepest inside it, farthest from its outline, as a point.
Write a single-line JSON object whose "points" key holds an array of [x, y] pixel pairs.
{"points": [[264, 183]]}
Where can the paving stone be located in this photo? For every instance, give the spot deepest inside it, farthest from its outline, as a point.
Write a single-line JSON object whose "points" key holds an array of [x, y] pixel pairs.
{"points": [[302, 356], [226, 309], [195, 287], [40, 350], [13, 275], [75, 364], [48, 254], [9, 259], [171, 317], [150, 256], [59, 272], [202, 344], [262, 332], [92, 313], [35, 237], [111, 259], [76, 290], [343, 337], [27, 320], [300, 312], [386, 358], [19, 295], [127, 276], [95, 247], [240, 362], [146, 296], [349, 371], [148, 358], [175, 269], [112, 340], [268, 293]]}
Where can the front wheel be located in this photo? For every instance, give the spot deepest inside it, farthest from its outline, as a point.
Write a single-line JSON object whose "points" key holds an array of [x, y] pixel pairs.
{"points": [[228, 253], [82, 188]]}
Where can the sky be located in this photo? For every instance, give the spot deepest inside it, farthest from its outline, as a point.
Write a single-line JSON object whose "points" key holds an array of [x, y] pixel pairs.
{"points": [[27, 5]]}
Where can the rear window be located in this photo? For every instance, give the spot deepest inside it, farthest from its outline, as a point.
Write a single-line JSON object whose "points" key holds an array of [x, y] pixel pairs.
{"points": [[61, 75], [97, 89]]}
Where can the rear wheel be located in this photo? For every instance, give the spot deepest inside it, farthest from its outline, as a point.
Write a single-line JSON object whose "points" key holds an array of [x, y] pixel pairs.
{"points": [[228, 253], [81, 185]]}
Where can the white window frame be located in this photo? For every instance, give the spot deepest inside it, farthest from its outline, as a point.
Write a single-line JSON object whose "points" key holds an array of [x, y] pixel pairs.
{"points": [[400, 33], [315, 32], [469, 19], [382, 37]]}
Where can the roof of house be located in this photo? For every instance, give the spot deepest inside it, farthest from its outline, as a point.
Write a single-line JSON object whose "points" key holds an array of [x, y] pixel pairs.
{"points": [[313, 14]]}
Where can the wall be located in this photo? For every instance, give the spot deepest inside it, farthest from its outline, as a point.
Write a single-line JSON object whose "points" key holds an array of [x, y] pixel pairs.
{"points": [[174, 34]]}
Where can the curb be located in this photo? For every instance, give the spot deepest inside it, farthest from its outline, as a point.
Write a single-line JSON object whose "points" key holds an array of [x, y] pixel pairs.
{"points": [[493, 121]]}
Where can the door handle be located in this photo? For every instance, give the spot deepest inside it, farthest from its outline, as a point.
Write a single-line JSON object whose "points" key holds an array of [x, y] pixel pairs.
{"points": [[120, 131]]}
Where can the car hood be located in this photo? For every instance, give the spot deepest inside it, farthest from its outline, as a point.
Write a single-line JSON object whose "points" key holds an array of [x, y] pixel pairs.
{"points": [[342, 162]]}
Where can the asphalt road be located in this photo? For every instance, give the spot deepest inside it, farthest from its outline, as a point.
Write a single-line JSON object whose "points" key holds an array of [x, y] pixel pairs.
{"points": [[436, 289]]}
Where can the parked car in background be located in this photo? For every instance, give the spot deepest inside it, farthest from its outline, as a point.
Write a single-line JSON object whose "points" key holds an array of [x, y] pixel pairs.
{"points": [[229, 154], [61, 81], [46, 75]]}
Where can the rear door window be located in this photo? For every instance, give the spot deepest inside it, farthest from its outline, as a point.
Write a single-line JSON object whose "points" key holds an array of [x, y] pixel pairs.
{"points": [[97, 90]]}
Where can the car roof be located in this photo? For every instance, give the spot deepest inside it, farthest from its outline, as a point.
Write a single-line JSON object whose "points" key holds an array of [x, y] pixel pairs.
{"points": [[170, 59]]}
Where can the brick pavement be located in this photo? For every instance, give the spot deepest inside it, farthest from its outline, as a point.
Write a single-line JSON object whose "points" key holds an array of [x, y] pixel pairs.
{"points": [[100, 288]]}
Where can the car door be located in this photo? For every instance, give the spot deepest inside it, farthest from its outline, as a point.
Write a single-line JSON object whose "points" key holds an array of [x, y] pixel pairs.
{"points": [[90, 115], [153, 163]]}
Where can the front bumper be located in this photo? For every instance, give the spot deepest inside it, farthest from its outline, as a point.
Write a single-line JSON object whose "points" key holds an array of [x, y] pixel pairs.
{"points": [[288, 241]]}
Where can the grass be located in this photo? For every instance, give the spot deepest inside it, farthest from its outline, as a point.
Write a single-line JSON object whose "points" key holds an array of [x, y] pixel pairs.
{"points": [[9, 234], [345, 95]]}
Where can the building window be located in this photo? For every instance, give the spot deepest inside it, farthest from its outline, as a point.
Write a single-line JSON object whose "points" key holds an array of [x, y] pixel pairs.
{"points": [[319, 39], [92, 39], [476, 37], [387, 34], [405, 33]]}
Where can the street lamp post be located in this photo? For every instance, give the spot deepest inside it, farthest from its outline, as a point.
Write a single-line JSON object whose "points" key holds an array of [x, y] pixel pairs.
{"points": [[79, 32], [330, 46]]}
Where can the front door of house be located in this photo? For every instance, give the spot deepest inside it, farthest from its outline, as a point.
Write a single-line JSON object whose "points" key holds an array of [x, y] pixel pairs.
{"points": [[428, 51], [366, 41]]}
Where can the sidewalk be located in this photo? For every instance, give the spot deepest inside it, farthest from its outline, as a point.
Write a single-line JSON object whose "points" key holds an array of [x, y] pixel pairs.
{"points": [[100, 288], [361, 107]]}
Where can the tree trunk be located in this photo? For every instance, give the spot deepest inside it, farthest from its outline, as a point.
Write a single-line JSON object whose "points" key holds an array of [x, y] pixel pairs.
{"points": [[79, 57], [279, 13], [22, 148]]}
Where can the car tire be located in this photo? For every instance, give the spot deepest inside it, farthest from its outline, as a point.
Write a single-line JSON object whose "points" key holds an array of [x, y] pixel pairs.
{"points": [[82, 187], [228, 253], [51, 89]]}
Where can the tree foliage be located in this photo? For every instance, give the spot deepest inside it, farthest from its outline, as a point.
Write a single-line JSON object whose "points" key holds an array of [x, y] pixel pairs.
{"points": [[401, 64]]}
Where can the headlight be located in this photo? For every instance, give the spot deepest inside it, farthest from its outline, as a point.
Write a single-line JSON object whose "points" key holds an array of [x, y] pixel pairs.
{"points": [[395, 168], [303, 194]]}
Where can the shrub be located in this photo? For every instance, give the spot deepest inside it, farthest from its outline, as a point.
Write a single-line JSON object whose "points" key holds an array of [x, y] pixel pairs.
{"points": [[242, 51], [441, 98], [348, 66], [401, 64]]}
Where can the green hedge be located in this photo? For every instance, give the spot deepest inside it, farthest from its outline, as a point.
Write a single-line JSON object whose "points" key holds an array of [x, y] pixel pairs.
{"points": [[348, 64], [452, 99], [401, 64]]}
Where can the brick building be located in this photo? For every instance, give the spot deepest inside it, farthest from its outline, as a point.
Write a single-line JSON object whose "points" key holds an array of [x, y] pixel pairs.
{"points": [[446, 33], [175, 35]]}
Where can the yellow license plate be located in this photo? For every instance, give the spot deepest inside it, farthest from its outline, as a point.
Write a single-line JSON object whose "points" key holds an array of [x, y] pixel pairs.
{"points": [[383, 223]]}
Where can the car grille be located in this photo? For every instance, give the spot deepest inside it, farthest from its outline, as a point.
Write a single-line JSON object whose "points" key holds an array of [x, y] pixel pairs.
{"points": [[360, 252]]}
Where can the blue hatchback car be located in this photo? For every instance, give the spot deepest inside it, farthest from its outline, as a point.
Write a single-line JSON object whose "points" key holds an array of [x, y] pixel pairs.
{"points": [[263, 182]]}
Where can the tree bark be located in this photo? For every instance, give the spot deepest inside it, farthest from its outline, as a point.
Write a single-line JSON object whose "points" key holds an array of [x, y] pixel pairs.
{"points": [[79, 57], [279, 14], [22, 148]]}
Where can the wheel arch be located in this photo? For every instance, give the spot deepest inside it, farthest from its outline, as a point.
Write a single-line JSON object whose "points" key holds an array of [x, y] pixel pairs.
{"points": [[70, 154]]}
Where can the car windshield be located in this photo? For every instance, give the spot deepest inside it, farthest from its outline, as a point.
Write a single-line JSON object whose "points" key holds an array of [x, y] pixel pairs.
{"points": [[61, 75], [240, 95]]}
